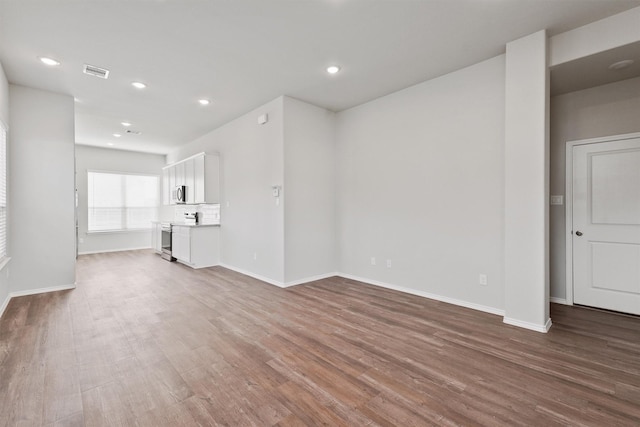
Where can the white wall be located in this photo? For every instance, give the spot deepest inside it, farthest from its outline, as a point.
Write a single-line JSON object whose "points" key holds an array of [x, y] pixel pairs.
{"points": [[610, 109], [4, 117], [420, 182], [42, 228], [309, 173], [251, 159], [102, 159]]}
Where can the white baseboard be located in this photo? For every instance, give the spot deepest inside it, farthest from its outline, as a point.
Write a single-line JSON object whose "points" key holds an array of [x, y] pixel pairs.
{"points": [[453, 301], [310, 279], [195, 267], [255, 276], [4, 305], [112, 250], [558, 300], [423, 294], [491, 310], [277, 283], [528, 325], [41, 290]]}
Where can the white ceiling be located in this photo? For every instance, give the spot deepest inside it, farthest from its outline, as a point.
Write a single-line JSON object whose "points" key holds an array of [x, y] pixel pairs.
{"points": [[244, 53]]}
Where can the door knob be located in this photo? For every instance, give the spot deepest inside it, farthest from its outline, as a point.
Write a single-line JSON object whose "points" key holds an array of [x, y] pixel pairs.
{"points": [[578, 233]]}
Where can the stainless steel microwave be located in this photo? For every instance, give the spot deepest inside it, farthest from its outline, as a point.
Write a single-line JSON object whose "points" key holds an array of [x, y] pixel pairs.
{"points": [[180, 194]]}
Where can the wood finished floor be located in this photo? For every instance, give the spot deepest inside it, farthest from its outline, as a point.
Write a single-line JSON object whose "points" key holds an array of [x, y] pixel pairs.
{"points": [[145, 342]]}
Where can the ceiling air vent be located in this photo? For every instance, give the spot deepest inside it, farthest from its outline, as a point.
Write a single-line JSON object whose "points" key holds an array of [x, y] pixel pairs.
{"points": [[96, 71], [133, 132]]}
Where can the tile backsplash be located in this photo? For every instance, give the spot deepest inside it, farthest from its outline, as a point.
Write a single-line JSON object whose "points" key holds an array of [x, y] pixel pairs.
{"points": [[207, 214]]}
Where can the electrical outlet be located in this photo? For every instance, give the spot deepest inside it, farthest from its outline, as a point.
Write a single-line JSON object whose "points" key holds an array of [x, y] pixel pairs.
{"points": [[373, 260], [388, 263], [255, 256], [81, 240], [482, 279]]}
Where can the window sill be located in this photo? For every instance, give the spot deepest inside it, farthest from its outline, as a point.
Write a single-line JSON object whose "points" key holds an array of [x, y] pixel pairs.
{"points": [[136, 230]]}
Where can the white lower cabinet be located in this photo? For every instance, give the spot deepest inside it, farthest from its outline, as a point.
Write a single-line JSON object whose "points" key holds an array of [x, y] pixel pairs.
{"points": [[180, 247], [156, 237], [197, 246]]}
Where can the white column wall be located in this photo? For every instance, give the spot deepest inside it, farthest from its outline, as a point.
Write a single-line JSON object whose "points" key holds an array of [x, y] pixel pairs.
{"points": [[526, 183], [42, 191]]}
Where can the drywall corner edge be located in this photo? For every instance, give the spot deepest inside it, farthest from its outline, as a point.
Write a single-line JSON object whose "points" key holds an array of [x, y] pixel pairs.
{"points": [[4, 305]]}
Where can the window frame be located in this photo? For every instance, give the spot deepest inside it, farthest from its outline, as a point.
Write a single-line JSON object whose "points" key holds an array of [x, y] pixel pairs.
{"points": [[122, 174]]}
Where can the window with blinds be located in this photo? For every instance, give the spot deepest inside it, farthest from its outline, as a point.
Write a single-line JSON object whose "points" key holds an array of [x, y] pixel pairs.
{"points": [[120, 202], [3, 191]]}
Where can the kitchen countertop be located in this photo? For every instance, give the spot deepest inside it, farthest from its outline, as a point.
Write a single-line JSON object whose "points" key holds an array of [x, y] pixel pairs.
{"points": [[182, 224]]}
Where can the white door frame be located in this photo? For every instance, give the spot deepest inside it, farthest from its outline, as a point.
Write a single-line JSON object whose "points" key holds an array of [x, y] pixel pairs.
{"points": [[569, 203]]}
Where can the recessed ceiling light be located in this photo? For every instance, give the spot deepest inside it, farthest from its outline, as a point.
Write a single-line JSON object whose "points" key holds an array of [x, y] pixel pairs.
{"points": [[204, 101], [117, 135], [332, 69], [49, 61], [621, 64], [126, 124], [111, 144], [138, 85]]}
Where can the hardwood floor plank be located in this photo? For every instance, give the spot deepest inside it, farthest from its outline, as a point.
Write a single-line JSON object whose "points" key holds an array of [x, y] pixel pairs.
{"points": [[61, 391], [307, 408], [145, 342]]}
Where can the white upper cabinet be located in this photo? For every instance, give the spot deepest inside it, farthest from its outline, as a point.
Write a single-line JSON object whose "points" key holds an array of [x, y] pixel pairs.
{"points": [[179, 168], [166, 188], [189, 180], [172, 185], [199, 173], [199, 179]]}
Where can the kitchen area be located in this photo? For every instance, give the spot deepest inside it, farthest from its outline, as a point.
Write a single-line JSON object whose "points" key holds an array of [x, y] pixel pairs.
{"points": [[189, 232]]}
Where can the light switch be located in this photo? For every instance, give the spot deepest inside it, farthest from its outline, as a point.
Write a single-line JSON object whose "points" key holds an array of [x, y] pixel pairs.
{"points": [[557, 200]]}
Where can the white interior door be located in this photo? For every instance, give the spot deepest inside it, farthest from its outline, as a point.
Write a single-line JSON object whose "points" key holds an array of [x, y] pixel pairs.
{"points": [[606, 225]]}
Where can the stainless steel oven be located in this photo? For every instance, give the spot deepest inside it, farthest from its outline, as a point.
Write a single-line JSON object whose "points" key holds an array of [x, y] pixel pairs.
{"points": [[166, 241]]}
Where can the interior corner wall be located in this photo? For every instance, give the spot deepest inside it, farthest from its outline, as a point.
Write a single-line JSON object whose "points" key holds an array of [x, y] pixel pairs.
{"points": [[420, 183], [526, 183], [251, 162], [4, 97], [41, 188], [4, 118], [309, 185], [104, 159], [610, 109]]}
